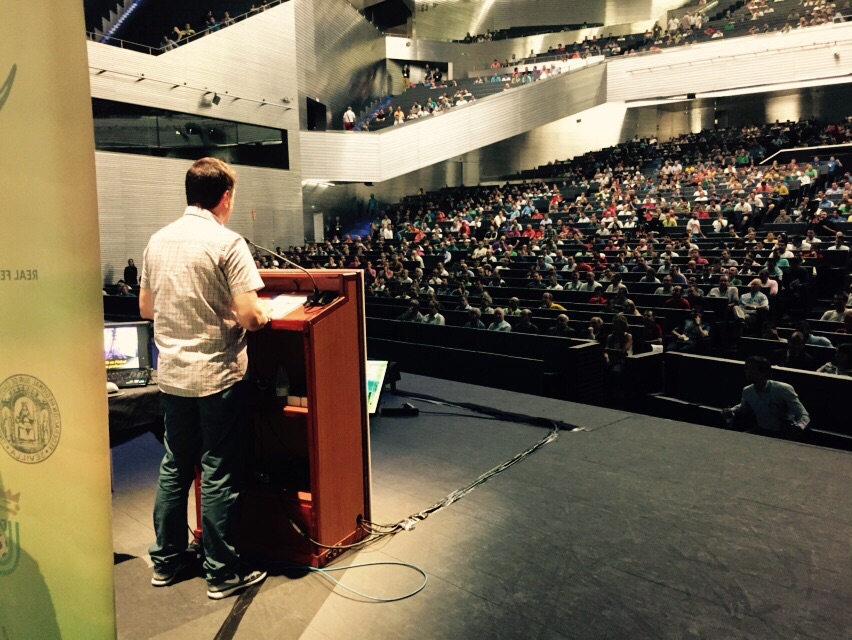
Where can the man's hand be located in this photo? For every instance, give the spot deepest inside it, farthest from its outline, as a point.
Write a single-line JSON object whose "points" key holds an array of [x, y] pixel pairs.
{"points": [[251, 312]]}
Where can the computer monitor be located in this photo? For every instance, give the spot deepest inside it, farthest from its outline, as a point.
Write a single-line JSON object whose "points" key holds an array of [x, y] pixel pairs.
{"points": [[375, 379], [127, 346]]}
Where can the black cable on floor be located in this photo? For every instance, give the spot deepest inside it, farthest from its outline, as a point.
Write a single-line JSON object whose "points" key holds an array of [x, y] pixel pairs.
{"points": [[230, 625], [506, 416], [378, 531]]}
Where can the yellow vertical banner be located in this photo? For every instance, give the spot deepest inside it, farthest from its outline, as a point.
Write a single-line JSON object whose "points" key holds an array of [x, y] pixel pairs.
{"points": [[55, 535]]}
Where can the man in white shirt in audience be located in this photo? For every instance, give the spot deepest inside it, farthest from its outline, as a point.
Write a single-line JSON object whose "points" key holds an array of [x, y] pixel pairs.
{"points": [[753, 302], [433, 316], [499, 323], [772, 407], [725, 291], [836, 314], [838, 243]]}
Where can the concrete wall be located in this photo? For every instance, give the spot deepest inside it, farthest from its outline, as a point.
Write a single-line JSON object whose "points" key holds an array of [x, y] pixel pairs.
{"points": [[137, 195], [828, 103], [340, 58], [584, 131], [392, 152], [746, 62], [452, 19]]}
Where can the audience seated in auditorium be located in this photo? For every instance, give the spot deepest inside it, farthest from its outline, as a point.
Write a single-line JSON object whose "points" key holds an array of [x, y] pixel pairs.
{"points": [[472, 241]]}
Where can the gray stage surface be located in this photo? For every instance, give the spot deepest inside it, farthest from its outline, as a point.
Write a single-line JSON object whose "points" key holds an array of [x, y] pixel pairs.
{"points": [[630, 528]]}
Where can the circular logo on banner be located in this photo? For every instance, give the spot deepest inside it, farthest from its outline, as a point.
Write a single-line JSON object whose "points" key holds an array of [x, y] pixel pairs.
{"points": [[30, 424]]}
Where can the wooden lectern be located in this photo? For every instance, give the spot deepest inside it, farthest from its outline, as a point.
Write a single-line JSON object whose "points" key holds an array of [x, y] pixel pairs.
{"points": [[311, 463]]}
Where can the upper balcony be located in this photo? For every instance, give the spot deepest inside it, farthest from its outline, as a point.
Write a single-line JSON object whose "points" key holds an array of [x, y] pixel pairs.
{"points": [[375, 157], [750, 64]]}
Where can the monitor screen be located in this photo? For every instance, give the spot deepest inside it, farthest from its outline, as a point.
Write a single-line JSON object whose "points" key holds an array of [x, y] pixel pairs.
{"points": [[375, 379], [127, 345]]}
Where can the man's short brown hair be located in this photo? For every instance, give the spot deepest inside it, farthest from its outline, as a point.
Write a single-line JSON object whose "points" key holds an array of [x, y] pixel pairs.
{"points": [[207, 180]]}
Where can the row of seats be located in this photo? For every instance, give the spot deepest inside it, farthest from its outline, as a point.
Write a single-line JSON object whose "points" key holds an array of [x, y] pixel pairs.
{"points": [[536, 364]]}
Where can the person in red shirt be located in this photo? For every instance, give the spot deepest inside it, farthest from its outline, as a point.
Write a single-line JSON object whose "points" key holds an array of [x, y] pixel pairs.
{"points": [[582, 265], [694, 255], [677, 301], [652, 332], [598, 297], [528, 232]]}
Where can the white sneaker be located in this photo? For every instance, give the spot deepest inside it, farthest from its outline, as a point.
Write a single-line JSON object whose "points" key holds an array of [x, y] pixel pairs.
{"points": [[234, 584]]}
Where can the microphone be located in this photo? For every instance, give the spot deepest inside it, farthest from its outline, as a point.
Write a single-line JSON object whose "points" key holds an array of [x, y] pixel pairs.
{"points": [[317, 298]]}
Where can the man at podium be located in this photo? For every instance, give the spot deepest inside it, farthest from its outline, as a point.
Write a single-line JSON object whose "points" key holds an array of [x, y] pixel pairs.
{"points": [[199, 284]]}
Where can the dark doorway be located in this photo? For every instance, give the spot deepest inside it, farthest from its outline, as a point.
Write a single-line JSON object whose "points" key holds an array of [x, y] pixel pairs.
{"points": [[317, 120]]}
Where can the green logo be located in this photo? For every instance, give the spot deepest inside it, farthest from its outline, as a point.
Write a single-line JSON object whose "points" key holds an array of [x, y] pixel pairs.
{"points": [[10, 532], [30, 424], [6, 87]]}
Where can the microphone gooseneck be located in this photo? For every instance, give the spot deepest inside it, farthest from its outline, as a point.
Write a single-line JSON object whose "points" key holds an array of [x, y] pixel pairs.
{"points": [[316, 297]]}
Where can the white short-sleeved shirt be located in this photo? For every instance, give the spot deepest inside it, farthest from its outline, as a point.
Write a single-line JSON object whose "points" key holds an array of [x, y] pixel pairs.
{"points": [[194, 268], [774, 407]]}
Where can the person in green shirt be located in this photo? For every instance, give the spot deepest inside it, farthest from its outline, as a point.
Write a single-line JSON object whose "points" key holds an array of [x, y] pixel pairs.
{"points": [[733, 274], [812, 172]]}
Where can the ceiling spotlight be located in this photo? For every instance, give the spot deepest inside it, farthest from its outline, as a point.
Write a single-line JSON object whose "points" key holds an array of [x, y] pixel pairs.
{"points": [[216, 98]]}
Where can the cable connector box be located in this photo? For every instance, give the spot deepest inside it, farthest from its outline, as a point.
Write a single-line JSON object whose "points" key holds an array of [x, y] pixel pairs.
{"points": [[406, 410]]}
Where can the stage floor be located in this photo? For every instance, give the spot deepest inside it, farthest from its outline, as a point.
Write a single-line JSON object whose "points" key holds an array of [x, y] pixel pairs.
{"points": [[633, 527]]}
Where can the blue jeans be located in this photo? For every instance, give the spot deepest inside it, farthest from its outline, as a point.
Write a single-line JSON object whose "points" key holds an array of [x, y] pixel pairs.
{"points": [[213, 430]]}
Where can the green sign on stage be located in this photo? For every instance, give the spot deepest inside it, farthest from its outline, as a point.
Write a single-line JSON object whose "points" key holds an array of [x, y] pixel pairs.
{"points": [[55, 534]]}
